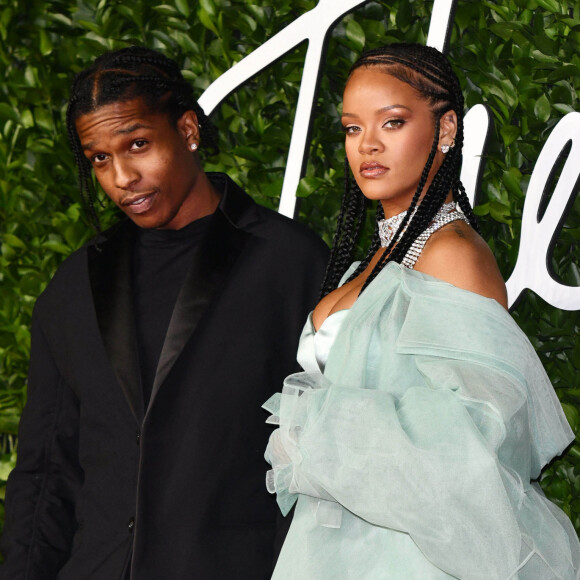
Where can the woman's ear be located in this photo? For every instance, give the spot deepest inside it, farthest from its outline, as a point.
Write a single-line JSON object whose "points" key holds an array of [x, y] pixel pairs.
{"points": [[447, 131], [188, 128]]}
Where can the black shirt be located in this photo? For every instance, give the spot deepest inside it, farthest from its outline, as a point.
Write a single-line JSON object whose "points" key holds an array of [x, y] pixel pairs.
{"points": [[161, 260]]}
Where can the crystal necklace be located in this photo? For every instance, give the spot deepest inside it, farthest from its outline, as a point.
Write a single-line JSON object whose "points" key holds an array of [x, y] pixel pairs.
{"points": [[389, 226]]}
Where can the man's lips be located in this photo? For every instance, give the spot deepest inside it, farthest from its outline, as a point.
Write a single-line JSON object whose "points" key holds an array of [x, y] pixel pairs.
{"points": [[139, 203], [372, 169]]}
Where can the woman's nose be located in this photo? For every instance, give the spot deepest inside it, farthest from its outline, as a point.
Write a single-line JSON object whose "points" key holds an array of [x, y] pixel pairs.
{"points": [[370, 143]]}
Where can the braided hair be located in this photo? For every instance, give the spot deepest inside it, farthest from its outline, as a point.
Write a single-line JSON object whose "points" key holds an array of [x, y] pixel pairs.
{"points": [[120, 76], [430, 74]]}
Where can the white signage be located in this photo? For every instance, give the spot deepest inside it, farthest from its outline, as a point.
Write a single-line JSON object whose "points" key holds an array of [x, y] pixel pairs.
{"points": [[314, 27], [538, 232]]}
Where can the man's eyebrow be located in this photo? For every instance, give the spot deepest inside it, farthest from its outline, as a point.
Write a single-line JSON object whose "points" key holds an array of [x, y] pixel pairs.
{"points": [[381, 110], [132, 128], [124, 131]]}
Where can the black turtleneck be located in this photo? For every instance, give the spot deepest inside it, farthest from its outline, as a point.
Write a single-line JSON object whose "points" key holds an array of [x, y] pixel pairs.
{"points": [[161, 259]]}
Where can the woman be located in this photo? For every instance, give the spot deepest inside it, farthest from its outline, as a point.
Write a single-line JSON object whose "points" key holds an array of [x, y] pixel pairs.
{"points": [[423, 413]]}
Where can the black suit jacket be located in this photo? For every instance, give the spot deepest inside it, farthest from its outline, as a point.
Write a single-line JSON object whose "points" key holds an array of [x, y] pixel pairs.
{"points": [[178, 487]]}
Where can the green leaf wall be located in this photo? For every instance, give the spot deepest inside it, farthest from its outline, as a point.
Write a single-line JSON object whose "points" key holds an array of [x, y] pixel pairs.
{"points": [[520, 57]]}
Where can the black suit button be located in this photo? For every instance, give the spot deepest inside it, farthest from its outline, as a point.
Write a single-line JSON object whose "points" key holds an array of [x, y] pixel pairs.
{"points": [[138, 437], [131, 525]]}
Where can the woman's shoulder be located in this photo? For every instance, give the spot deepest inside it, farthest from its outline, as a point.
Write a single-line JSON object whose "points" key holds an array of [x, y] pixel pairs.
{"points": [[458, 254]]}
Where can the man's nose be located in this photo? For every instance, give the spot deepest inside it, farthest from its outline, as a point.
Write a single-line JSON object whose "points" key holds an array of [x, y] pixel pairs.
{"points": [[126, 175]]}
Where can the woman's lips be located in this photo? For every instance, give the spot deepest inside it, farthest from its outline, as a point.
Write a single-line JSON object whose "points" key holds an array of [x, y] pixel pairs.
{"points": [[372, 170], [139, 203]]}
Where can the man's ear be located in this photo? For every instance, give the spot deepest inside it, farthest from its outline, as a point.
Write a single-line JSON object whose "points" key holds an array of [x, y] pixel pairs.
{"points": [[448, 129], [188, 128]]}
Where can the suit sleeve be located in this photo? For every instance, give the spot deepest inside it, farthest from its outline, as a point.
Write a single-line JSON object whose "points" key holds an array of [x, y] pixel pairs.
{"points": [[41, 490]]}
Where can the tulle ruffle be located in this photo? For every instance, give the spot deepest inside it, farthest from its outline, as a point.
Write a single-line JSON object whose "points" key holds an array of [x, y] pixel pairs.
{"points": [[292, 409], [419, 444]]}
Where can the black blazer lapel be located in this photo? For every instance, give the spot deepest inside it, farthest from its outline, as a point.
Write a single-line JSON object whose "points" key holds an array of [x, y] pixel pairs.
{"points": [[213, 259], [110, 272]]}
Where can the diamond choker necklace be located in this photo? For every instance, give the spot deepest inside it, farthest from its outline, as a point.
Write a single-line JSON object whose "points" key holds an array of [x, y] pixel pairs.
{"points": [[389, 226]]}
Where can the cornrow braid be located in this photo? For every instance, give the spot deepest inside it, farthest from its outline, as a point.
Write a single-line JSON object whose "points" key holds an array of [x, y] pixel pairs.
{"points": [[123, 75], [427, 71]]}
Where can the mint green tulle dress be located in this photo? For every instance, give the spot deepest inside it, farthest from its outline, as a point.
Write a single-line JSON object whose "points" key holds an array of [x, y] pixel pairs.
{"points": [[410, 443]]}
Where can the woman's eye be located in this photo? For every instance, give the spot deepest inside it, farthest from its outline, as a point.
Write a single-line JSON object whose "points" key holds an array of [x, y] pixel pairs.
{"points": [[351, 129], [393, 123]]}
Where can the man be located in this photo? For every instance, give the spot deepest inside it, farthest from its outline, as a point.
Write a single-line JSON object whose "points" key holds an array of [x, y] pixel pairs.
{"points": [[141, 446]]}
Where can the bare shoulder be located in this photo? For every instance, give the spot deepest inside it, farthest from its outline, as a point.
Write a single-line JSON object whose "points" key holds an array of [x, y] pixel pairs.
{"points": [[458, 254]]}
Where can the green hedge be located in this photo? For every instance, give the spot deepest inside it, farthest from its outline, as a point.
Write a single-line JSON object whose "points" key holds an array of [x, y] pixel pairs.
{"points": [[520, 58]]}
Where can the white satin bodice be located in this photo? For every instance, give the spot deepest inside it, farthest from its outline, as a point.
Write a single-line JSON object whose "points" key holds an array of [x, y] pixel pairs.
{"points": [[315, 345]]}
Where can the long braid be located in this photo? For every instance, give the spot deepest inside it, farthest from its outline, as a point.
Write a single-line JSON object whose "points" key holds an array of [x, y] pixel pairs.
{"points": [[463, 201], [349, 225], [374, 246], [430, 74], [123, 75]]}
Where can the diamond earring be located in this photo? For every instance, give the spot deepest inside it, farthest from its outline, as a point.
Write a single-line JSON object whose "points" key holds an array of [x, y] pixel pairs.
{"points": [[444, 148], [193, 146]]}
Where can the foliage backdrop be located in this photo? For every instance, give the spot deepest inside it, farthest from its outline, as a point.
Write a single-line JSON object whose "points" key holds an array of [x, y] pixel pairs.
{"points": [[520, 57]]}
